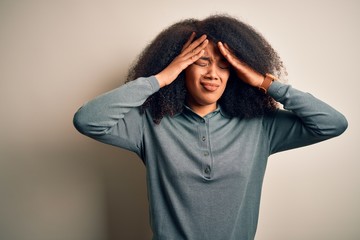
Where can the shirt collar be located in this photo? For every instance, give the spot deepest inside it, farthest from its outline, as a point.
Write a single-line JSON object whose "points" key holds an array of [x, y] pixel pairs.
{"points": [[187, 109]]}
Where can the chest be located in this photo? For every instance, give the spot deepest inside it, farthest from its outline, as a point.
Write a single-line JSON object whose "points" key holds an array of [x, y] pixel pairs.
{"points": [[215, 148]]}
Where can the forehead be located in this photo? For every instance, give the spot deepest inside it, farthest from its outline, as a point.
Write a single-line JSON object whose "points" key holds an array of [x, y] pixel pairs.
{"points": [[211, 50]]}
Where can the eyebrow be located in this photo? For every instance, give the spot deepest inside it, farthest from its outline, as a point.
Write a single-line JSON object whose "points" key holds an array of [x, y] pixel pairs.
{"points": [[205, 58]]}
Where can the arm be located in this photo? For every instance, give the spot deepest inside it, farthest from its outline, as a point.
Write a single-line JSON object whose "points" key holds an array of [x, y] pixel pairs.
{"points": [[307, 121], [114, 117]]}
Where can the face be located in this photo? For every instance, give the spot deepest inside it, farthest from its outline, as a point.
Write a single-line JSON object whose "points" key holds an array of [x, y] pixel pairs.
{"points": [[206, 80]]}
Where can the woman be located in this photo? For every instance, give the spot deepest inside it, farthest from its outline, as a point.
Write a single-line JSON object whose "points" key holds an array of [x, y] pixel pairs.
{"points": [[200, 110]]}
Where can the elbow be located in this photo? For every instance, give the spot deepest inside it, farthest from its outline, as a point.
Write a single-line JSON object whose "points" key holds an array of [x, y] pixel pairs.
{"points": [[79, 122], [84, 122], [341, 125], [335, 126]]}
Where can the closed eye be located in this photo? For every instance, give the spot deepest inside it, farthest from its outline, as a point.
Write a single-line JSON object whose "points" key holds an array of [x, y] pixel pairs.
{"points": [[224, 64], [202, 62]]}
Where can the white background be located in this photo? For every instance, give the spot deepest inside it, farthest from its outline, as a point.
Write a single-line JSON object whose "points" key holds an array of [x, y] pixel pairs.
{"points": [[55, 55]]}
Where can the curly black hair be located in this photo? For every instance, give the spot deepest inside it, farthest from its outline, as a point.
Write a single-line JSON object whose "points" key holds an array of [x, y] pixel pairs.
{"points": [[239, 99]]}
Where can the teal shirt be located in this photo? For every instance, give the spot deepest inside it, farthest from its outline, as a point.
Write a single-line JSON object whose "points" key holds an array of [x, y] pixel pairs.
{"points": [[204, 174]]}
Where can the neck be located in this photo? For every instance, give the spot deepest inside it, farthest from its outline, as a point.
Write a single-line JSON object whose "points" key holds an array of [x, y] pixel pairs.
{"points": [[202, 110]]}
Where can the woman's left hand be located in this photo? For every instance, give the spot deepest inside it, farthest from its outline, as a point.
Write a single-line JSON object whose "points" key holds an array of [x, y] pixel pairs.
{"points": [[244, 72]]}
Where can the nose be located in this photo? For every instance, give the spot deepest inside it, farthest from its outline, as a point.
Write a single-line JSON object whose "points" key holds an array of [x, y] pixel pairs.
{"points": [[211, 73]]}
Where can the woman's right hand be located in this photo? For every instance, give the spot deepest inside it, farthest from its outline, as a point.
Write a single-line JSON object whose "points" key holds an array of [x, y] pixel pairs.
{"points": [[190, 53]]}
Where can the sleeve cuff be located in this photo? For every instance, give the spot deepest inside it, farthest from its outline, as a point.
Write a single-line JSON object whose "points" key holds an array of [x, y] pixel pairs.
{"points": [[154, 83], [277, 90]]}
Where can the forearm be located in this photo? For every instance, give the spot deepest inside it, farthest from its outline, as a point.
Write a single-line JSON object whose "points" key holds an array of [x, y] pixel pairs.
{"points": [[99, 115], [317, 116]]}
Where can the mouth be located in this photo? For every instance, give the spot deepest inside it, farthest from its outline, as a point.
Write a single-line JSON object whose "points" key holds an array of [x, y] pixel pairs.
{"points": [[211, 87]]}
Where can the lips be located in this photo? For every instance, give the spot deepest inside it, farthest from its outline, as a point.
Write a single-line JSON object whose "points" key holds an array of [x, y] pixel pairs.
{"points": [[211, 87]]}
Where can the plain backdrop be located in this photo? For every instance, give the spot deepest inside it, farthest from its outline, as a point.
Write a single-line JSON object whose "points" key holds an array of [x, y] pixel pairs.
{"points": [[56, 184]]}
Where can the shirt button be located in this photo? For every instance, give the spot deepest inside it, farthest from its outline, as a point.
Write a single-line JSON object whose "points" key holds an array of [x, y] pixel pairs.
{"points": [[203, 138], [207, 170], [206, 154]]}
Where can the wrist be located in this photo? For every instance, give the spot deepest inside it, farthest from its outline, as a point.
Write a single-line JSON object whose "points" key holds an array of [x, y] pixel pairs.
{"points": [[166, 77], [162, 78], [267, 81]]}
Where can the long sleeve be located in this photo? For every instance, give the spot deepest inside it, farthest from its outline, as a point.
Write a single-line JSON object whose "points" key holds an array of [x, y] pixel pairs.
{"points": [[114, 117], [305, 120]]}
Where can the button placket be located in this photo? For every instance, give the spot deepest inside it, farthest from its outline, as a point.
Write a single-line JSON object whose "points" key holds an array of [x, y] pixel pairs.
{"points": [[204, 144]]}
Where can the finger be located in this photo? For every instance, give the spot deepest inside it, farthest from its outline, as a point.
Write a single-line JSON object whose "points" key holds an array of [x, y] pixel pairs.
{"points": [[189, 41], [226, 52], [229, 50], [230, 56], [194, 58], [195, 44], [222, 49], [241, 67], [198, 49], [234, 56], [227, 47]]}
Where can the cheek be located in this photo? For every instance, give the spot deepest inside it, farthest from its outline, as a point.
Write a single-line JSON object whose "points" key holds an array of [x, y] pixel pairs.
{"points": [[225, 76], [191, 76], [189, 82], [192, 72], [188, 77]]}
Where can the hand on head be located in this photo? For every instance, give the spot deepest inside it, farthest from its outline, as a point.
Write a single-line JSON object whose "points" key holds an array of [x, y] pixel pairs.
{"points": [[243, 71], [190, 53], [194, 49]]}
